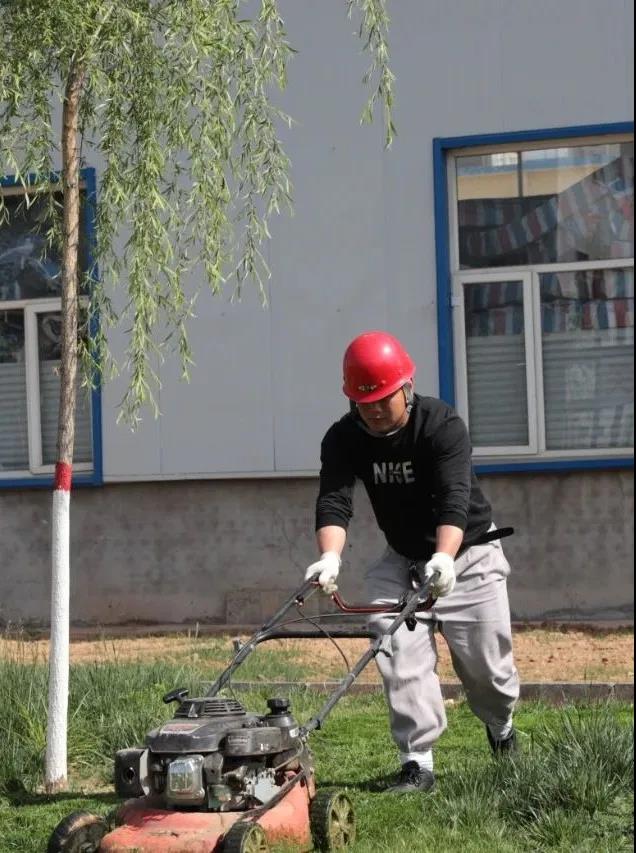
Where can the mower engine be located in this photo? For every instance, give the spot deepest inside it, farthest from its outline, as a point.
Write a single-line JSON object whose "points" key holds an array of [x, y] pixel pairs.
{"points": [[215, 756]]}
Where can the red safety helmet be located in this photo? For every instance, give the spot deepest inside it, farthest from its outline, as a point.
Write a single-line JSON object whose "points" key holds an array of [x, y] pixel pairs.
{"points": [[375, 365]]}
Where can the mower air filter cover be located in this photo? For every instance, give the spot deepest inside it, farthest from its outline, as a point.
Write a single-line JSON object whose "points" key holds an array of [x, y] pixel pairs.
{"points": [[257, 741], [185, 780]]}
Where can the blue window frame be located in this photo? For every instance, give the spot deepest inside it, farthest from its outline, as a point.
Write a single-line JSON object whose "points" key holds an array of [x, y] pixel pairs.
{"points": [[29, 311], [464, 279]]}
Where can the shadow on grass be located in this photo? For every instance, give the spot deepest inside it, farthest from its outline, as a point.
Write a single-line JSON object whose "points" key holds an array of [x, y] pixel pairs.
{"points": [[20, 797], [375, 785]]}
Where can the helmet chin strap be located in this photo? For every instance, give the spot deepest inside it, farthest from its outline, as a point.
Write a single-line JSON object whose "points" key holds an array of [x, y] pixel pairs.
{"points": [[408, 396], [407, 388]]}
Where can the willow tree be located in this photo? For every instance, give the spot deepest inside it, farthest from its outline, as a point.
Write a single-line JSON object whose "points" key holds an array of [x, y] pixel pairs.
{"points": [[176, 98]]}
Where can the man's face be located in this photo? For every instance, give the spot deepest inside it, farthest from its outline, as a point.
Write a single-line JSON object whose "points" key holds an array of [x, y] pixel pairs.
{"points": [[385, 415]]}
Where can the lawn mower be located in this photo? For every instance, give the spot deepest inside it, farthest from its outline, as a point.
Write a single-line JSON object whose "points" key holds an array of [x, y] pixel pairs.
{"points": [[217, 777]]}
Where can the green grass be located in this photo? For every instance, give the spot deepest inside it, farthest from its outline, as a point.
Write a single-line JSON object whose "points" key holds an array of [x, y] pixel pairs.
{"points": [[266, 663], [570, 789]]}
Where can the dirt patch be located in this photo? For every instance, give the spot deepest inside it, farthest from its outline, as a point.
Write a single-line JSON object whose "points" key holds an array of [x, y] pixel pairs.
{"points": [[542, 654]]}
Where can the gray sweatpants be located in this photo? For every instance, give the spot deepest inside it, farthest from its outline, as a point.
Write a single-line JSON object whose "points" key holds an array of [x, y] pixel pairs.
{"points": [[475, 622]]}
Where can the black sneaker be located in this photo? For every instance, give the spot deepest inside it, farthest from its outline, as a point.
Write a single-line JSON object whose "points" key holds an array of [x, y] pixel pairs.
{"points": [[505, 746], [411, 779]]}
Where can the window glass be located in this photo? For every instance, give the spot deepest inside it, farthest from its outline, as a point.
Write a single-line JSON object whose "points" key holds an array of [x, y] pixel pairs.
{"points": [[14, 445], [587, 320], [495, 351], [28, 270], [550, 205], [25, 270]]}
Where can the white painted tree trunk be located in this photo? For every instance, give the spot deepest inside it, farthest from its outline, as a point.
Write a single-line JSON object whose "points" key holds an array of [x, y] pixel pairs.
{"points": [[56, 745], [55, 772]]}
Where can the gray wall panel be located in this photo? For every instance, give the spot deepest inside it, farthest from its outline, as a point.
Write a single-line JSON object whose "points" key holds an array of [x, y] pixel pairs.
{"points": [[221, 421], [227, 552]]}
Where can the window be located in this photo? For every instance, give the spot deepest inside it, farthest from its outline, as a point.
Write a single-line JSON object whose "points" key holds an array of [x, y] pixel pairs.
{"points": [[30, 324], [542, 272]]}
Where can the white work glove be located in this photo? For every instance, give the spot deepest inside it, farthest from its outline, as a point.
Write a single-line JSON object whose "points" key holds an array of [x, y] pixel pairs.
{"points": [[328, 565], [444, 565]]}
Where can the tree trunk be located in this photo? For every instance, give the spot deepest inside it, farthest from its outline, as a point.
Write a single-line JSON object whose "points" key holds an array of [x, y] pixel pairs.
{"points": [[56, 737]]}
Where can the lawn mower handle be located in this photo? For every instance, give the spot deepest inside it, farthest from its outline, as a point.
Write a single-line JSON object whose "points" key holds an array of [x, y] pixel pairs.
{"points": [[344, 607], [405, 609], [417, 600]]}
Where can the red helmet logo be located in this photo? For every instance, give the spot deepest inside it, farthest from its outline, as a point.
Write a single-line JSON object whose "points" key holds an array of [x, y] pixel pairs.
{"points": [[375, 365]]}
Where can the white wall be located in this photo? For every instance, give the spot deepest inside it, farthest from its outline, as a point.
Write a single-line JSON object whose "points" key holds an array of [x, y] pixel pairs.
{"points": [[359, 252]]}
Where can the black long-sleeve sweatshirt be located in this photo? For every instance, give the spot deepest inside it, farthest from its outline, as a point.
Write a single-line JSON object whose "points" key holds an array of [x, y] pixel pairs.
{"points": [[416, 479]]}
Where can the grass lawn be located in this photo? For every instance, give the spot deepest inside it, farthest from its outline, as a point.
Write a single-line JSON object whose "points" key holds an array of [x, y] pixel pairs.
{"points": [[571, 788]]}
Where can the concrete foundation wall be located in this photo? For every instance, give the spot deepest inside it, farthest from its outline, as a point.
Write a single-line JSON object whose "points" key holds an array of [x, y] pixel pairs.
{"points": [[226, 552]]}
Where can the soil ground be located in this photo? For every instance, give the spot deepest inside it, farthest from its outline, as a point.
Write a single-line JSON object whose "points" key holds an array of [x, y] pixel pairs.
{"points": [[560, 654]]}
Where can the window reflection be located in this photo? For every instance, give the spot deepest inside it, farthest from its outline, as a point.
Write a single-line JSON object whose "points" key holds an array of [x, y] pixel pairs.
{"points": [[587, 321], [495, 351], [14, 444], [548, 205], [29, 269]]}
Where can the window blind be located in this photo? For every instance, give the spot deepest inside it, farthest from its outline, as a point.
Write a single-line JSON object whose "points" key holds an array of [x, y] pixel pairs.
{"points": [[49, 409], [14, 444], [588, 379], [497, 390]]}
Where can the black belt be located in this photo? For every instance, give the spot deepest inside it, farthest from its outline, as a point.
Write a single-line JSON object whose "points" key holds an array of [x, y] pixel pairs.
{"points": [[484, 539], [491, 535]]}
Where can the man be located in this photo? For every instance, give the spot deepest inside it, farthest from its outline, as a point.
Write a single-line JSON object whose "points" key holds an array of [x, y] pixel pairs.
{"points": [[413, 455]]}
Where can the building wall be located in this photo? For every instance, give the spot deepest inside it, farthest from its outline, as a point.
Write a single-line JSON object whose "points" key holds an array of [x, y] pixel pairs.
{"points": [[358, 253], [226, 553]]}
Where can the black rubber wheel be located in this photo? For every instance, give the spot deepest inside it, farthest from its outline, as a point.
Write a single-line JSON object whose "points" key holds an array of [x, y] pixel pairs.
{"points": [[245, 838], [80, 832], [333, 822]]}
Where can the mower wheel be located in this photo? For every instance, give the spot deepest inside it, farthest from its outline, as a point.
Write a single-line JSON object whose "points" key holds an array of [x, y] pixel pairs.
{"points": [[245, 838], [80, 832], [333, 822]]}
